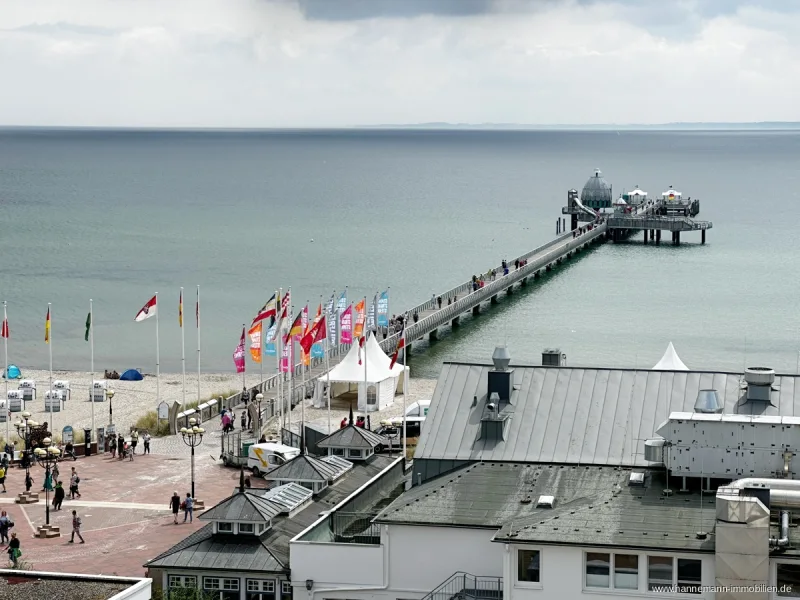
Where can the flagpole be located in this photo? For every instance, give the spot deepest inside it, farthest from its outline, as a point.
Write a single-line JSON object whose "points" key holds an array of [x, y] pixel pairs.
{"points": [[303, 398], [244, 370], [91, 353], [328, 373], [405, 387], [366, 382], [388, 295], [183, 352], [278, 355], [5, 343], [158, 358], [290, 361], [50, 338], [197, 318]]}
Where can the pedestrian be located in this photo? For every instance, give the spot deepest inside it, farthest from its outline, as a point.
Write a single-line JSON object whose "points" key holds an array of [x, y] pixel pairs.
{"points": [[433, 302], [74, 480], [244, 420], [121, 446], [3, 478], [5, 525], [48, 482], [134, 441], [343, 424], [56, 472], [58, 496], [146, 440], [439, 301], [76, 528], [28, 482], [175, 505], [112, 446], [188, 505], [13, 549]]}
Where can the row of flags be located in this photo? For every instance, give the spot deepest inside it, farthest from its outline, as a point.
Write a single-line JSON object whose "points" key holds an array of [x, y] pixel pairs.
{"points": [[5, 332], [151, 307]]}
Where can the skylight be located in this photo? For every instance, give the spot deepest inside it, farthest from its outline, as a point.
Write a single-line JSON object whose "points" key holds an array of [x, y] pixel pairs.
{"points": [[341, 465], [289, 495]]}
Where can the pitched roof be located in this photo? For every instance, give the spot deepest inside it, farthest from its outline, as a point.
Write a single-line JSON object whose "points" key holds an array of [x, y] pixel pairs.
{"points": [[303, 468], [577, 416], [243, 507], [592, 506], [352, 437]]}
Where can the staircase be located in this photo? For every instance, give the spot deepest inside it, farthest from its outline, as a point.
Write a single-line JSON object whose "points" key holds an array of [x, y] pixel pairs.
{"points": [[463, 586]]}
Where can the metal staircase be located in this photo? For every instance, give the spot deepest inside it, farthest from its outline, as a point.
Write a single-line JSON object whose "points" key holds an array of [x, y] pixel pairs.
{"points": [[463, 586]]}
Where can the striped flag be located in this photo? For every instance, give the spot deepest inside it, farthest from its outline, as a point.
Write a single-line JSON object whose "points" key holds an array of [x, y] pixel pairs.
{"points": [[47, 327], [401, 343], [265, 312], [296, 329], [148, 310], [180, 310]]}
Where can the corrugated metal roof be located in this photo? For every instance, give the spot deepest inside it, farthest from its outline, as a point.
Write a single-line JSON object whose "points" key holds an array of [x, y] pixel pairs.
{"points": [[352, 437], [592, 506], [303, 468], [243, 507], [578, 416]]}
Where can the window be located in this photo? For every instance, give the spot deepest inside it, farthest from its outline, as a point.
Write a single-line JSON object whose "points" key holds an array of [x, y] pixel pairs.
{"points": [[286, 589], [528, 566], [246, 528], [788, 580], [659, 573], [223, 527], [182, 581], [372, 395], [228, 588], [260, 589], [689, 575], [626, 571], [336, 451], [354, 453], [598, 569]]}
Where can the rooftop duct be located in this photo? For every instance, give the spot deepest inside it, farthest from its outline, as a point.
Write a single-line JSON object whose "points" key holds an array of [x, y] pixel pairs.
{"points": [[759, 383], [501, 358], [708, 401], [500, 379]]}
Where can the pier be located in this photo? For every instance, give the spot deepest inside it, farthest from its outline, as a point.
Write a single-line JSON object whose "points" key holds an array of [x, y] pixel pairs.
{"points": [[594, 219]]}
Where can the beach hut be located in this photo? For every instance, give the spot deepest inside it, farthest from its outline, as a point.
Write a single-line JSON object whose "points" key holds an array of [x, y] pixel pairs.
{"points": [[131, 375]]}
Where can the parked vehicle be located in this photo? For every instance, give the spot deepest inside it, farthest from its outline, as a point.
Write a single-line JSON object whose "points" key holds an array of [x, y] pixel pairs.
{"points": [[263, 458]]}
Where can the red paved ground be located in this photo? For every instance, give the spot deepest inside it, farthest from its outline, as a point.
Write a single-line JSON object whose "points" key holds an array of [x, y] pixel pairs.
{"points": [[119, 539]]}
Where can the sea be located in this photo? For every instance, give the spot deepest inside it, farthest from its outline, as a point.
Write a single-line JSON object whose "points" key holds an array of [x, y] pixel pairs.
{"points": [[118, 215]]}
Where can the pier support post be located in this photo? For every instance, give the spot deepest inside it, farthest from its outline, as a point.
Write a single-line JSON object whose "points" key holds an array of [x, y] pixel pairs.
{"points": [[703, 236], [536, 275], [510, 290], [558, 226], [549, 267], [677, 238], [574, 222], [645, 237], [455, 322], [494, 299], [525, 279], [658, 237], [434, 335], [476, 310]]}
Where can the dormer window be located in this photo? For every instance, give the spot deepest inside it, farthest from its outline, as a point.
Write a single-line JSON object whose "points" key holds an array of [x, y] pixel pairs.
{"points": [[224, 527], [246, 528]]}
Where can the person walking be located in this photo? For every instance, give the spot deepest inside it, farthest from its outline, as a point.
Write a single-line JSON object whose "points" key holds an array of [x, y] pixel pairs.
{"points": [[134, 441], [120, 446], [244, 420], [76, 528], [112, 446], [28, 482], [188, 506], [48, 482], [175, 505], [3, 477], [13, 550], [55, 472], [58, 496], [5, 525], [74, 481], [146, 440]]}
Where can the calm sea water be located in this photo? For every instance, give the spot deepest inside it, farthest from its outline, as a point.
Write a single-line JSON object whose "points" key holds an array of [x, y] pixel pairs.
{"points": [[118, 215]]}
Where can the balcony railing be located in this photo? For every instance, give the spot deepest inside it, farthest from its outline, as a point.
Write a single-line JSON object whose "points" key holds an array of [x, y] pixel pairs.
{"points": [[463, 586]]}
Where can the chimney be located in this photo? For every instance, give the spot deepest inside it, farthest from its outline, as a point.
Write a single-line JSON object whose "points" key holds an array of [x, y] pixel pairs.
{"points": [[759, 383], [708, 401], [501, 378]]}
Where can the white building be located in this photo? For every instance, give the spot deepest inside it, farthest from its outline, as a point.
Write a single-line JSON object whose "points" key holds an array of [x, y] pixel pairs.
{"points": [[536, 482]]}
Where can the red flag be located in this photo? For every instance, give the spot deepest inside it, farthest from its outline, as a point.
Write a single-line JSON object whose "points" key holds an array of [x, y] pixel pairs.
{"points": [[315, 334], [401, 343], [5, 328], [360, 346], [148, 310]]}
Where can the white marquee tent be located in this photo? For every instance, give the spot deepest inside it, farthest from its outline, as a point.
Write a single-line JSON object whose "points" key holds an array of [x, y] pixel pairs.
{"points": [[348, 376], [670, 361]]}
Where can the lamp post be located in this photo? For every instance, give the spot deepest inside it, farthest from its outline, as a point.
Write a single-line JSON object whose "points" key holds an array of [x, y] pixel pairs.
{"points": [[110, 396], [24, 433], [47, 457], [192, 437], [257, 428]]}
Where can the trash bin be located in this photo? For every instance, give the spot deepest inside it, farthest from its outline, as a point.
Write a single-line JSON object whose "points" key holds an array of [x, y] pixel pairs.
{"points": [[87, 433]]}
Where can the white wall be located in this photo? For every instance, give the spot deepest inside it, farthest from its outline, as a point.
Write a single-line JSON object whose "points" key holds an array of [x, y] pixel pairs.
{"points": [[336, 565], [563, 575]]}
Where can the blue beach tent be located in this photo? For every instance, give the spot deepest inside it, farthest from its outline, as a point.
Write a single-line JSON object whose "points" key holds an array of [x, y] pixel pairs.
{"points": [[13, 372], [131, 375]]}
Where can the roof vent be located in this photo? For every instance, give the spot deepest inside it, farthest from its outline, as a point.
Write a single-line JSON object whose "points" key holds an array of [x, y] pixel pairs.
{"points": [[545, 502], [501, 358], [551, 357], [636, 479], [708, 401], [759, 383]]}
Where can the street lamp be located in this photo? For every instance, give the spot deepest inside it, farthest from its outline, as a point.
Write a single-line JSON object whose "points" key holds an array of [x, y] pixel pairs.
{"points": [[110, 396], [47, 457], [257, 430], [192, 437], [24, 433]]}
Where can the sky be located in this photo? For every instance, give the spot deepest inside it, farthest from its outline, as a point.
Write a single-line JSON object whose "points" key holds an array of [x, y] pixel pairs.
{"points": [[342, 63]]}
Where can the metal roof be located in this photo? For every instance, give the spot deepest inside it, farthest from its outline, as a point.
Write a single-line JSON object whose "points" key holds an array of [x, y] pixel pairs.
{"points": [[597, 189], [592, 506], [341, 465], [243, 507], [578, 416], [352, 437], [289, 495], [303, 468]]}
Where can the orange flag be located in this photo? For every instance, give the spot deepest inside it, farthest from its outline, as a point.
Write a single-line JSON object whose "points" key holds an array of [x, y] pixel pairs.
{"points": [[255, 342], [361, 316]]}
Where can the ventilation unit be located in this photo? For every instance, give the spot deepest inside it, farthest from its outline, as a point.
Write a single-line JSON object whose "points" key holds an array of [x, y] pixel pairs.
{"points": [[708, 401], [759, 383], [551, 357], [545, 502], [636, 479], [500, 379]]}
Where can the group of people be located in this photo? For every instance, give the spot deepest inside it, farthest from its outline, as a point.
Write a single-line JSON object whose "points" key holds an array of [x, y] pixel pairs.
{"points": [[187, 506], [360, 422], [228, 418], [119, 448]]}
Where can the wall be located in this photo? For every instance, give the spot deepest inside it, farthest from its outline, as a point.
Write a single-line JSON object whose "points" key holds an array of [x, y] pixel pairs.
{"points": [[336, 565], [562, 575]]}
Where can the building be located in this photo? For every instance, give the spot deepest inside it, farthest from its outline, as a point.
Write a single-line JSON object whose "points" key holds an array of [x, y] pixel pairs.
{"points": [[16, 583], [558, 482], [242, 552], [597, 192]]}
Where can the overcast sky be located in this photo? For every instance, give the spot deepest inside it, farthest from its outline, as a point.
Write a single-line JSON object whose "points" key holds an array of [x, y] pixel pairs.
{"points": [[308, 63]]}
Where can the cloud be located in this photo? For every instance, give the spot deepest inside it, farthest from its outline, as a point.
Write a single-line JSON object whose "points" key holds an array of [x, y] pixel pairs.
{"points": [[260, 63]]}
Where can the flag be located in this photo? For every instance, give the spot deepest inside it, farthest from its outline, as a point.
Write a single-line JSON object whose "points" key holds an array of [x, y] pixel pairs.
{"points": [[342, 303], [333, 322], [238, 355], [317, 350], [197, 309], [286, 302], [360, 317], [255, 341], [287, 357], [88, 326], [180, 310], [5, 328], [315, 334], [148, 310], [383, 309], [269, 342], [47, 327], [304, 321], [401, 343], [265, 312], [296, 331], [361, 341], [346, 321], [371, 313]]}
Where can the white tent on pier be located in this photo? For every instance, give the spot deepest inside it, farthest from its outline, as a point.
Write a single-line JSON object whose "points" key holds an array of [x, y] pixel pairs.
{"points": [[348, 376], [670, 361]]}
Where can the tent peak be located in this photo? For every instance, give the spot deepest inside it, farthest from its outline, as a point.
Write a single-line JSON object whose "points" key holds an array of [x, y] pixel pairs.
{"points": [[670, 361]]}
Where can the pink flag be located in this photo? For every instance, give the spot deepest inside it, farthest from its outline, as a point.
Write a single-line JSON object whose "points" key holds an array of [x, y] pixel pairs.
{"points": [[286, 357], [347, 325], [238, 355]]}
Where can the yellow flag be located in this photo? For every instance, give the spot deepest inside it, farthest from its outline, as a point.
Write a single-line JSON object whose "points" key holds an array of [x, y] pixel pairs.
{"points": [[180, 309], [47, 327]]}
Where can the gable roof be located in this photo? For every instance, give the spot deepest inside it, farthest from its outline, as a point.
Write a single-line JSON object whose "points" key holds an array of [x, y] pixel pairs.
{"points": [[572, 415], [245, 507], [303, 468], [352, 437]]}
